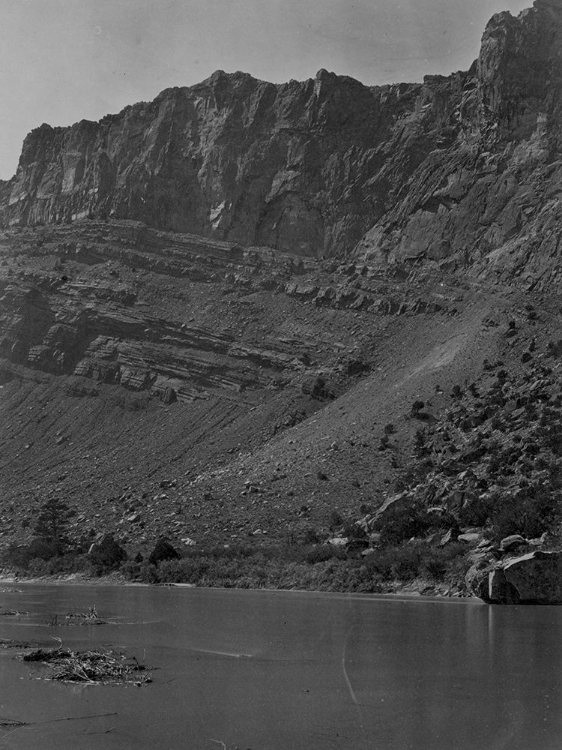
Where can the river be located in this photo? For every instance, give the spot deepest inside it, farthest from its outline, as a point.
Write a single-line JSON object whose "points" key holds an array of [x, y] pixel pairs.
{"points": [[258, 670]]}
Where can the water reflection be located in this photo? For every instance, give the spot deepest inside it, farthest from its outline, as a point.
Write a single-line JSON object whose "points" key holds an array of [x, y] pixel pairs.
{"points": [[272, 671]]}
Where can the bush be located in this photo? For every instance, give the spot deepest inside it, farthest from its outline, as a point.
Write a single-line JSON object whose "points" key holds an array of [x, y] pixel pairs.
{"points": [[438, 562], [163, 551], [529, 511], [405, 522], [43, 549], [318, 553], [310, 536], [421, 448], [335, 520], [416, 408], [107, 555], [456, 392], [406, 563]]}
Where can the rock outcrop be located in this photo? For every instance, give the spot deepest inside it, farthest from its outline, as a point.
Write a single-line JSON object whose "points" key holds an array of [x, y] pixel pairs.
{"points": [[84, 315], [534, 578], [491, 197], [299, 167], [464, 168]]}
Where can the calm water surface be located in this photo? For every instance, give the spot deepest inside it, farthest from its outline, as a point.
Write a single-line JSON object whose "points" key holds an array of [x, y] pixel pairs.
{"points": [[289, 671]]}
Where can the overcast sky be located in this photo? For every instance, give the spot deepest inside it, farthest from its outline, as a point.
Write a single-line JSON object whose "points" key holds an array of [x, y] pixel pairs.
{"points": [[66, 60]]}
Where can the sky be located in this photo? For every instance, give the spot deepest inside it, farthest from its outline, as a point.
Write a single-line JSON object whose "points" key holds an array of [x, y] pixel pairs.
{"points": [[62, 61]]}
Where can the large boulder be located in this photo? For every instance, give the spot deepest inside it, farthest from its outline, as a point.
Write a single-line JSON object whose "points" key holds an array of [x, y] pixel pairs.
{"points": [[537, 577], [534, 578]]}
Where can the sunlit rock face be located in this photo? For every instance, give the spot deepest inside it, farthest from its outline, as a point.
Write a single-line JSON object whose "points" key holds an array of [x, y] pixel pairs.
{"points": [[233, 158], [304, 167], [492, 195], [463, 169]]}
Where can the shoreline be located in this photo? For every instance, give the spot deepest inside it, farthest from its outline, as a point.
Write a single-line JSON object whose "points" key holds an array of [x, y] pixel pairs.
{"points": [[413, 590]]}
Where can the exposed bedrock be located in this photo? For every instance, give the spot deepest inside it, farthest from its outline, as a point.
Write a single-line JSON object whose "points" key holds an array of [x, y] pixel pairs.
{"points": [[491, 198], [109, 344], [77, 300], [465, 167], [292, 166]]}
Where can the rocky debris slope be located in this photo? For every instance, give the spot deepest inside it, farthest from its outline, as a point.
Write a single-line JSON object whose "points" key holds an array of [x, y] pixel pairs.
{"points": [[132, 357], [487, 472], [216, 394]]}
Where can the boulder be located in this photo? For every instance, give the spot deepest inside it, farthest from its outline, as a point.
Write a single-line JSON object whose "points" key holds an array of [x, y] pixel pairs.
{"points": [[472, 537], [534, 578], [477, 580], [500, 590], [512, 542], [537, 577]]}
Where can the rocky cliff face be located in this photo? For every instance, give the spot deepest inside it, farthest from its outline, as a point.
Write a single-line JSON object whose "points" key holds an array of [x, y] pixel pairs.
{"points": [[291, 166], [492, 197], [465, 167]]}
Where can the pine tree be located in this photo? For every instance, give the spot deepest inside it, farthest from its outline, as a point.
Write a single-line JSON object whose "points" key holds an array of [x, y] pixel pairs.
{"points": [[52, 524]]}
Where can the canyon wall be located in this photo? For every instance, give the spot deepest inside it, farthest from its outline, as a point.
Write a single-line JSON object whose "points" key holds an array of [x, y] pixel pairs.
{"points": [[492, 198], [458, 166], [455, 166]]}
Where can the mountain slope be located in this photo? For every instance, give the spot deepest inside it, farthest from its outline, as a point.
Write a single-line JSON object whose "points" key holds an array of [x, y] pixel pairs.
{"points": [[340, 254]]}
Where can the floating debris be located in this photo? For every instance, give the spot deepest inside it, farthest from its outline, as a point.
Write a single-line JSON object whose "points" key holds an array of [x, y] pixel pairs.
{"points": [[90, 617], [10, 643], [10, 724], [99, 667]]}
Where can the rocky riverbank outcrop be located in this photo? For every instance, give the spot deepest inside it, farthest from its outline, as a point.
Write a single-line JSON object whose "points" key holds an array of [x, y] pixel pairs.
{"points": [[532, 578]]}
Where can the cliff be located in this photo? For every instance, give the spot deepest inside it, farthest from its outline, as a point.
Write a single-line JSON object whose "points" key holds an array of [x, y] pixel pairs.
{"points": [[290, 166], [464, 167], [492, 198]]}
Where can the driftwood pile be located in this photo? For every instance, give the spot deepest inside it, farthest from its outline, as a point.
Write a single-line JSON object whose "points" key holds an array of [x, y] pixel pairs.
{"points": [[99, 667]]}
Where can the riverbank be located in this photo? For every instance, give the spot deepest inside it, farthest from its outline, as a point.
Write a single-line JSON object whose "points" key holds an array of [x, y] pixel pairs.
{"points": [[270, 569]]}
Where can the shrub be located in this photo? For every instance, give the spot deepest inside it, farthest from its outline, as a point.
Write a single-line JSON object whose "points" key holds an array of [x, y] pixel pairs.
{"points": [[107, 555], [318, 553], [417, 406], [310, 536], [43, 549], [163, 550], [420, 443], [384, 443], [405, 522], [437, 563], [335, 520], [406, 563]]}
